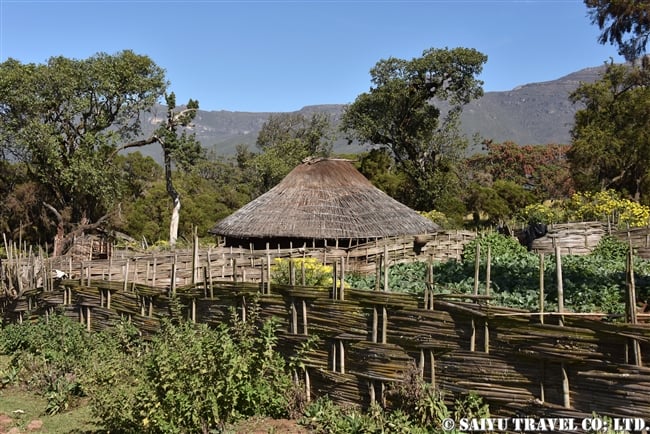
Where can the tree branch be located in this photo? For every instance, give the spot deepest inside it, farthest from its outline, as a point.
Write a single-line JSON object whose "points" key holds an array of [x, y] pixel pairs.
{"points": [[137, 144]]}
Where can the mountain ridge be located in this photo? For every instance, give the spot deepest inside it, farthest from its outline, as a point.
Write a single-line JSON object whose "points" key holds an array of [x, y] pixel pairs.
{"points": [[533, 113]]}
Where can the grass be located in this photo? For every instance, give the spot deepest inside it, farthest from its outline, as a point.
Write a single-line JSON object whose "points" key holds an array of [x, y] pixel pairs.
{"points": [[23, 406]]}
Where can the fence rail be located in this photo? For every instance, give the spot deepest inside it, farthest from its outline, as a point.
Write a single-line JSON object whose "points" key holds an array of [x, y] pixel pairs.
{"points": [[368, 340]]}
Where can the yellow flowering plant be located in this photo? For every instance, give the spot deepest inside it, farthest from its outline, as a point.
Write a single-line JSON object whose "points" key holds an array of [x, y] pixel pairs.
{"points": [[316, 273], [608, 204]]}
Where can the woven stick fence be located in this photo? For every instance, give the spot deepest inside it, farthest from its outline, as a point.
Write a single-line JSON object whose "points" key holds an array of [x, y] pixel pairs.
{"points": [[545, 363], [566, 365]]}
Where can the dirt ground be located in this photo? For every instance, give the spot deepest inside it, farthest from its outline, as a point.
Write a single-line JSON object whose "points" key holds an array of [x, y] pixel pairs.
{"points": [[269, 426]]}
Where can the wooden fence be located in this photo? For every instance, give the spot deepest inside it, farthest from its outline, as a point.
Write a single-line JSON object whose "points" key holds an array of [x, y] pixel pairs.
{"points": [[564, 365], [545, 363]]}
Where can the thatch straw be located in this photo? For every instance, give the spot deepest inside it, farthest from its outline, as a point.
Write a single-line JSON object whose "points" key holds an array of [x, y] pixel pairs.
{"points": [[324, 199]]}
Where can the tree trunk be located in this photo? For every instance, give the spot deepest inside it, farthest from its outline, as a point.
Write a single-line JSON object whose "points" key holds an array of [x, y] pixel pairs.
{"points": [[176, 200], [173, 225], [59, 237]]}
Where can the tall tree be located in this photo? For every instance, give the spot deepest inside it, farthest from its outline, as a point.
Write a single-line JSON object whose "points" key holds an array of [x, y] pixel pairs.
{"points": [[401, 113], [178, 147], [65, 117], [611, 146], [285, 140], [541, 169], [625, 23]]}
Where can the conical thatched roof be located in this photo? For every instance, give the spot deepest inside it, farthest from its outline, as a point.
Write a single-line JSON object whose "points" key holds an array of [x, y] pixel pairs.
{"points": [[324, 199]]}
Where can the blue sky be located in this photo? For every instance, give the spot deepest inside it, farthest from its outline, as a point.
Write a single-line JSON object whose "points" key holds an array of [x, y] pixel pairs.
{"points": [[282, 55]]}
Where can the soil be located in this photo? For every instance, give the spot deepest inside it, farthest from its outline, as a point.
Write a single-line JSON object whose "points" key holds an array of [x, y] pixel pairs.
{"points": [[8, 425], [269, 426]]}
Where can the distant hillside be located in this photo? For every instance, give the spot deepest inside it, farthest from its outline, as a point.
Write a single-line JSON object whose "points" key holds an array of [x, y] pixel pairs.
{"points": [[536, 113]]}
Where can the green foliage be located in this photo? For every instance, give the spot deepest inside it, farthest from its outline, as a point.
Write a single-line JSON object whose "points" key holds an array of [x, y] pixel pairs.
{"points": [[542, 169], [285, 141], [623, 23], [416, 407], [379, 167], [500, 247], [316, 273], [610, 248], [45, 356], [324, 417], [397, 114], [541, 213], [610, 148], [408, 278], [607, 205], [592, 283], [65, 118], [437, 217], [187, 378]]}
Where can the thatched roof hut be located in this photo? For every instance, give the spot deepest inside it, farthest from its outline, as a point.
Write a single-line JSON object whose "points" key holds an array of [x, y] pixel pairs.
{"points": [[321, 200]]}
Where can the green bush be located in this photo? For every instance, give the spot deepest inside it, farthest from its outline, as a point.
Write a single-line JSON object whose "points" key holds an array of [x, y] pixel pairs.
{"points": [[46, 358], [187, 378], [192, 378]]}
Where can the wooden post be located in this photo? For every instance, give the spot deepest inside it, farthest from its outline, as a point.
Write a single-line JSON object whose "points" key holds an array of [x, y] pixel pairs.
{"points": [[477, 265], [385, 263], [126, 275], [262, 280], [335, 295], [421, 364], [384, 324], [173, 277], [268, 276], [432, 359], [378, 266], [342, 357], [566, 392], [488, 273], [294, 317], [542, 392], [631, 305], [210, 273], [342, 294], [195, 256], [560, 285], [541, 288], [375, 321], [304, 318], [292, 272], [307, 385], [472, 339], [153, 271]]}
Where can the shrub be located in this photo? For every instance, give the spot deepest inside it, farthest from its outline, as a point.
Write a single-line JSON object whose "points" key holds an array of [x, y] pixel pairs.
{"points": [[607, 204], [316, 274], [192, 378], [46, 357]]}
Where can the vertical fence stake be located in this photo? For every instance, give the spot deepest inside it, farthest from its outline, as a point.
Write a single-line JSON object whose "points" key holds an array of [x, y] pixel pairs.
{"points": [[375, 321], [304, 318], [472, 338], [477, 265], [541, 289], [560, 285], [384, 324]]}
